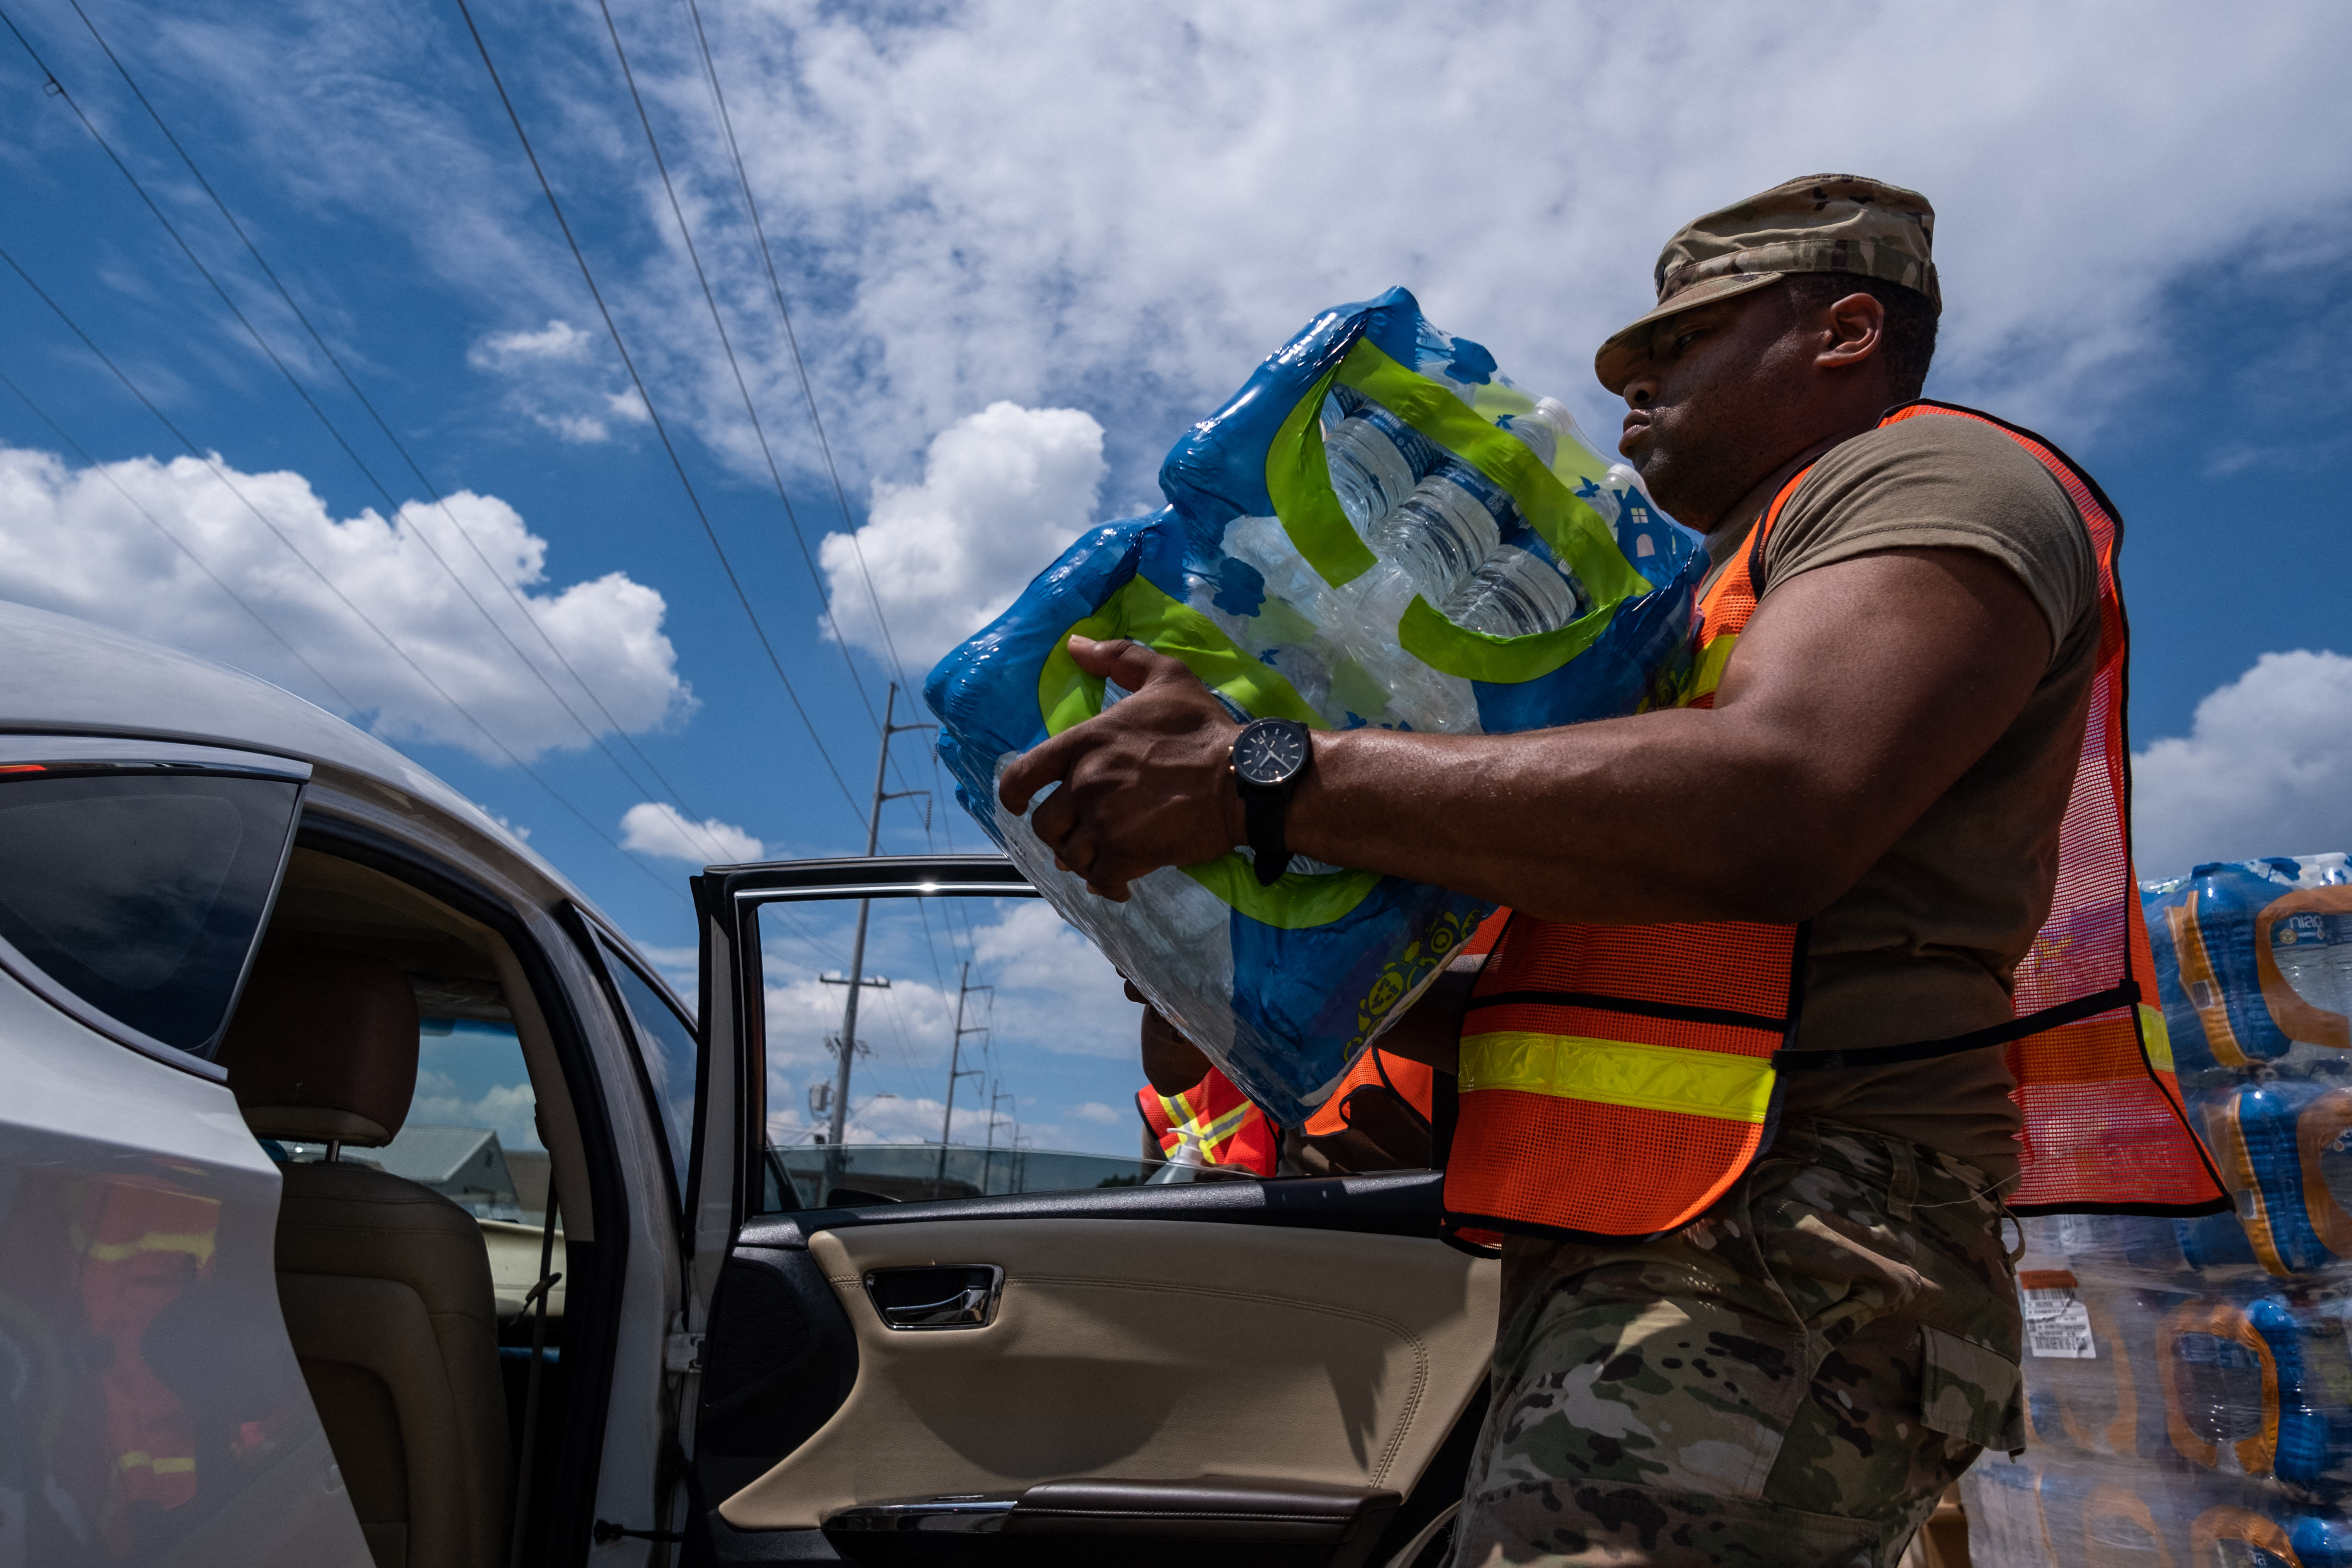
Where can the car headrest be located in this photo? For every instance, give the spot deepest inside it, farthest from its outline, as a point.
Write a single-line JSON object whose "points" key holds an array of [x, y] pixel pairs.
{"points": [[323, 1046]]}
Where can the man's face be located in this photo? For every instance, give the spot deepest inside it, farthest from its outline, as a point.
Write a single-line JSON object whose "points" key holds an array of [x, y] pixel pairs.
{"points": [[1708, 409]]}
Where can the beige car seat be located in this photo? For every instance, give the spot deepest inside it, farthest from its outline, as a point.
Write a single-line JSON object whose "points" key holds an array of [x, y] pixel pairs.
{"points": [[385, 1284]]}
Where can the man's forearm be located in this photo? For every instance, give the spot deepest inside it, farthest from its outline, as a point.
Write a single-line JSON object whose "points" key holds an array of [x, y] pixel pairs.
{"points": [[1860, 692], [1624, 820]]}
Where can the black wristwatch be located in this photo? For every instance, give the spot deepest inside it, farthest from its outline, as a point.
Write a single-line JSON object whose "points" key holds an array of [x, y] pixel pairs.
{"points": [[1270, 757]]}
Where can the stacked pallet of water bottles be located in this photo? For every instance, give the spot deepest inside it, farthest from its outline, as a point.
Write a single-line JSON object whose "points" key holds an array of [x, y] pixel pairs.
{"points": [[2189, 1383]]}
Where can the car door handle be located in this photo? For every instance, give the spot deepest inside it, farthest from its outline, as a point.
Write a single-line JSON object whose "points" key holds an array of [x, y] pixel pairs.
{"points": [[968, 1306], [957, 1296]]}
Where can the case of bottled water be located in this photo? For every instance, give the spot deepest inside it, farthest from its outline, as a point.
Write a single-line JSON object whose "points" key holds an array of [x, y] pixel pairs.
{"points": [[1379, 529], [2188, 1383]]}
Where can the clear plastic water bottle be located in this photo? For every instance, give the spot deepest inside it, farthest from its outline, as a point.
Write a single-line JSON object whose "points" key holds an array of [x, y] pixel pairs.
{"points": [[1539, 433], [1442, 531], [1261, 545], [1358, 621], [1543, 429], [2313, 952], [1368, 453], [1515, 593], [1185, 1162]]}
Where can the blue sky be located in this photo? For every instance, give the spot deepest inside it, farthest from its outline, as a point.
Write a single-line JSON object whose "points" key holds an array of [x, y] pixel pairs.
{"points": [[1024, 245]]}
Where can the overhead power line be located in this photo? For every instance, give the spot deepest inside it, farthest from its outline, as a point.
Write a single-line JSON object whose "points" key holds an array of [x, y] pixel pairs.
{"points": [[93, 465], [808, 396], [808, 390], [398, 446], [219, 473], [653, 412], [750, 410], [390, 503], [719, 323]]}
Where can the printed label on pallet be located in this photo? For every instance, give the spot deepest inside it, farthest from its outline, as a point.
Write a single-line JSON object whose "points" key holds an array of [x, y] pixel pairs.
{"points": [[2057, 1323]]}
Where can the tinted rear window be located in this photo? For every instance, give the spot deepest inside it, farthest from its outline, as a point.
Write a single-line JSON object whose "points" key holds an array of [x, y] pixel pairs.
{"points": [[139, 893]]}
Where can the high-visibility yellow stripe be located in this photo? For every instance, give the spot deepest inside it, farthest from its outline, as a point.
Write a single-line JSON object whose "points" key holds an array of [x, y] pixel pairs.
{"points": [[1620, 1073], [196, 1244], [1182, 1117], [139, 1459], [1222, 1127], [1708, 673], [2155, 1036]]}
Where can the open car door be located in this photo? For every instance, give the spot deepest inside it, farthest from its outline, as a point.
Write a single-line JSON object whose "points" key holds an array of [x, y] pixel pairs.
{"points": [[970, 1339]]}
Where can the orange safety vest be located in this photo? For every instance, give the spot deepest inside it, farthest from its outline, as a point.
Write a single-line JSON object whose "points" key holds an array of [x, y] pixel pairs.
{"points": [[1413, 1083], [1226, 1127], [141, 1245], [1616, 1080]]}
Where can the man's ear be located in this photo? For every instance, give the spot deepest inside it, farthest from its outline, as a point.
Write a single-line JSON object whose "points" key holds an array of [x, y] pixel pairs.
{"points": [[1854, 328]]}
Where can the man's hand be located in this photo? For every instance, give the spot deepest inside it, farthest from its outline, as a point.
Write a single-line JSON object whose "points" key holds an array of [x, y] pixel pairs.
{"points": [[1147, 784]]}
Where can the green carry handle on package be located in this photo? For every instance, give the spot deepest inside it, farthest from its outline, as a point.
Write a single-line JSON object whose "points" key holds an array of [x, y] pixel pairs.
{"points": [[1379, 529]]}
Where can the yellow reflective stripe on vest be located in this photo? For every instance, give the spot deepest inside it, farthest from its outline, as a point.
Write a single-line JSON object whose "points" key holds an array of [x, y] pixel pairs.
{"points": [[2156, 1038], [1182, 1117], [1225, 1126], [1620, 1073], [196, 1244], [1707, 674]]}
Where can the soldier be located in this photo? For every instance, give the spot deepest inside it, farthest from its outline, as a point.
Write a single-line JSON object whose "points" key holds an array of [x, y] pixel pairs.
{"points": [[1728, 1098]]}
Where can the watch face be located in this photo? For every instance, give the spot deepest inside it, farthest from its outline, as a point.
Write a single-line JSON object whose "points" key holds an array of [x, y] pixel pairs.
{"points": [[1270, 752]]}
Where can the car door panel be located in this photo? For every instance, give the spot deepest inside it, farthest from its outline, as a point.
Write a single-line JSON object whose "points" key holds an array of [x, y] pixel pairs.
{"points": [[1301, 1332], [1154, 1351], [780, 1359]]}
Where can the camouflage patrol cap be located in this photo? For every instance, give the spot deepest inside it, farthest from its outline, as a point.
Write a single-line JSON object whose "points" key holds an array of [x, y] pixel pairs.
{"points": [[1822, 223]]}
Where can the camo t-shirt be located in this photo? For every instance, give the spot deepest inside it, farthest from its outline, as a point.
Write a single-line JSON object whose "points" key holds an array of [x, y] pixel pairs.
{"points": [[1925, 946]]}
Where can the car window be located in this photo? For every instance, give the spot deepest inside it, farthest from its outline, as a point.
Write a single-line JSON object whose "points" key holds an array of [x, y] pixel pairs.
{"points": [[672, 1057], [472, 1131], [140, 894], [1027, 1016]]}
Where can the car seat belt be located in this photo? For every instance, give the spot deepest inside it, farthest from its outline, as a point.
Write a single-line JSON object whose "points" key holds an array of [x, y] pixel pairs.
{"points": [[534, 1303]]}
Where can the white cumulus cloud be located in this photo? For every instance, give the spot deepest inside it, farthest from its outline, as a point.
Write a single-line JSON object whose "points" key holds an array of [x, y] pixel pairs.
{"points": [[2266, 768], [509, 1110], [559, 341], [1055, 1035], [582, 429], [1004, 492], [657, 828], [92, 542], [540, 371], [1122, 208]]}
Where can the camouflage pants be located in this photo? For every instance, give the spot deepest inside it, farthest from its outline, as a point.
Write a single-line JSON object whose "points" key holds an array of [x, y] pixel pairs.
{"points": [[1792, 1379]]}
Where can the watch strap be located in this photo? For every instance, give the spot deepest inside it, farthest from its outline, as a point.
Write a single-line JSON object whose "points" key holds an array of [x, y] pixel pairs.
{"points": [[1262, 814]]}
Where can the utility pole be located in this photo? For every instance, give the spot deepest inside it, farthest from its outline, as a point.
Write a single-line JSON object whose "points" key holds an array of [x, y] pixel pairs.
{"points": [[964, 987], [996, 1097], [821, 1099], [865, 907]]}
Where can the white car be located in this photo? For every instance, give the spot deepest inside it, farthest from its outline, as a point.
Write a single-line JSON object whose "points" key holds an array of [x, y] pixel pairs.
{"points": [[343, 1143]]}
